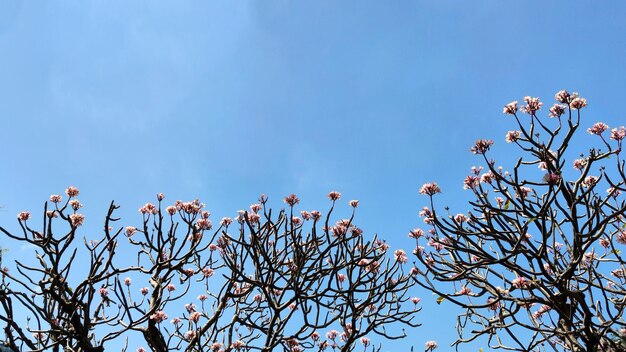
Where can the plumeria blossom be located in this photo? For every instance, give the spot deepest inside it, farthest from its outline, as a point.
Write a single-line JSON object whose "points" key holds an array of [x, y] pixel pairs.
{"points": [[618, 133], [430, 345], [334, 195], [430, 189], [159, 316], [521, 282], [562, 96], [557, 110], [532, 105], [72, 191], [578, 103], [481, 146], [510, 108], [579, 164], [598, 128], [512, 136], [400, 256], [77, 219]]}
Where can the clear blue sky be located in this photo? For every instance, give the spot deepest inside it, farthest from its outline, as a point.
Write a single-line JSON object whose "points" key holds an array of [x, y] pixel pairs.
{"points": [[225, 100]]}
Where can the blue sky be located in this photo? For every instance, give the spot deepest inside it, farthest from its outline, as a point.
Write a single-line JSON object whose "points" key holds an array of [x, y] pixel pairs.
{"points": [[225, 100]]}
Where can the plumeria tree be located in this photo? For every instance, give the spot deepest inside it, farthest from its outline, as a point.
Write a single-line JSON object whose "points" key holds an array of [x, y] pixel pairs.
{"points": [[262, 281], [536, 263]]}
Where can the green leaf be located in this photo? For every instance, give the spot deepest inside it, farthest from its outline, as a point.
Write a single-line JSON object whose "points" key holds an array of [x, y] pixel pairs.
{"points": [[617, 251], [507, 205], [530, 221], [480, 349], [440, 299]]}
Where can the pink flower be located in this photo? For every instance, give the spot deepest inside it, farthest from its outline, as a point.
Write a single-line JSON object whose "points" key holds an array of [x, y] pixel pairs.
{"points": [[520, 282], [130, 230], [316, 215], [621, 237], [296, 220], [430, 345], [149, 208], [430, 189], [532, 105], [256, 207], [158, 316], [204, 224], [171, 210], [512, 136], [415, 271], [189, 307], [55, 198], [207, 272], [141, 349], [481, 146], [71, 191], [523, 192], [579, 164], [332, 334], [618, 134], [562, 96], [510, 108], [23, 216], [103, 292], [382, 246], [195, 316], [416, 300], [400, 256], [471, 182], [604, 242], [315, 336], [416, 233], [77, 219], [578, 103], [144, 290], [557, 110], [334, 195], [52, 214], [254, 218], [75, 204], [460, 218], [590, 181], [365, 341], [189, 335], [160, 197], [226, 221], [552, 179], [618, 273], [127, 281], [354, 203], [292, 200], [202, 297], [464, 291], [341, 278], [598, 128], [493, 304], [171, 287], [237, 344], [175, 321], [193, 207]]}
